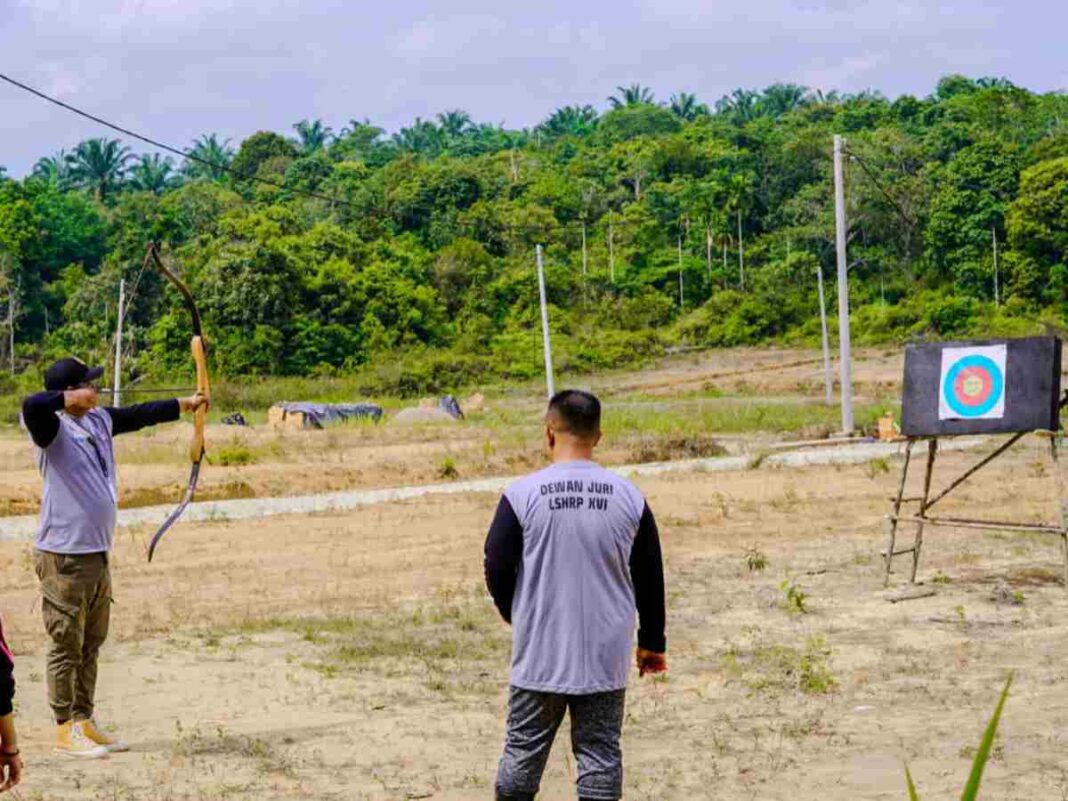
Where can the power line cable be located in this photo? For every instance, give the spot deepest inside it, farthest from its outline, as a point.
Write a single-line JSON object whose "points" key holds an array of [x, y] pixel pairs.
{"points": [[871, 176], [557, 227], [157, 144]]}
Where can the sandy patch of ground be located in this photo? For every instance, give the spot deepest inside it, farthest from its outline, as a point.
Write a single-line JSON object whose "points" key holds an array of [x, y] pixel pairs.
{"points": [[357, 655]]}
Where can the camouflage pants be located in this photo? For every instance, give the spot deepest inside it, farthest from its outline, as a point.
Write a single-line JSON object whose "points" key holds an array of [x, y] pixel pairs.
{"points": [[76, 602]]}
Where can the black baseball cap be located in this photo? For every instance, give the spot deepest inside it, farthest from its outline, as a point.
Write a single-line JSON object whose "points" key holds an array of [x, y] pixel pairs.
{"points": [[70, 372]]}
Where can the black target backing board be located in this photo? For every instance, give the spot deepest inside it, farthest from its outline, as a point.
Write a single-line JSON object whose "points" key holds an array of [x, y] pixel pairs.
{"points": [[990, 386]]}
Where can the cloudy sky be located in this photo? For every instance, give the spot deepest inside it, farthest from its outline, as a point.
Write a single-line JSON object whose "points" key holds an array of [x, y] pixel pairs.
{"points": [[174, 69]]}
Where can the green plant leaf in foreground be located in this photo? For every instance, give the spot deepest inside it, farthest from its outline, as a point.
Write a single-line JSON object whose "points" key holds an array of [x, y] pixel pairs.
{"points": [[971, 789], [913, 795]]}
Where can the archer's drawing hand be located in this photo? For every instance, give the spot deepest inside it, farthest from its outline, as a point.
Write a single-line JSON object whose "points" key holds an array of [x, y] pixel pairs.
{"points": [[194, 402], [78, 402], [651, 662]]}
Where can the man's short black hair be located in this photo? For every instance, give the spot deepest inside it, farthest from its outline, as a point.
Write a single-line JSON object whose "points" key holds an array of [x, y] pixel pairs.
{"points": [[576, 412]]}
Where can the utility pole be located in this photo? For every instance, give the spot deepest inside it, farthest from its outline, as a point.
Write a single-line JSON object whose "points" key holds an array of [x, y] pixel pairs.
{"points": [[116, 393], [708, 253], [828, 373], [741, 251], [611, 251], [840, 228], [997, 293], [584, 257], [682, 298], [546, 345], [12, 313]]}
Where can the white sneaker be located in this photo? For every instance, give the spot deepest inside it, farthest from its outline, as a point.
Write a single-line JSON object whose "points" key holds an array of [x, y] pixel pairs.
{"points": [[93, 731]]}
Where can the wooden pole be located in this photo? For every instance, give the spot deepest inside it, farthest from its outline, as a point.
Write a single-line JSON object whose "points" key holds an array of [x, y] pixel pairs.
{"points": [[682, 297], [741, 253], [611, 252], [844, 364], [708, 253], [584, 255], [997, 292], [116, 393], [828, 371], [932, 451], [891, 521], [545, 341]]}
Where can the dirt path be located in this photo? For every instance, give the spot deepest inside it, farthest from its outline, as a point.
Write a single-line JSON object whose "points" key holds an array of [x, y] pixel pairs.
{"points": [[25, 527], [356, 655]]}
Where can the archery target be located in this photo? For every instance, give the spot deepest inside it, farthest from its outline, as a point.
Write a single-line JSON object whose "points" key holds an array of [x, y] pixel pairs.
{"points": [[973, 383]]}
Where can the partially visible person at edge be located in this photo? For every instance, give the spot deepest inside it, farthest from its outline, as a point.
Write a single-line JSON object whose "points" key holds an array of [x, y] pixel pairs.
{"points": [[76, 458], [10, 761], [572, 553]]}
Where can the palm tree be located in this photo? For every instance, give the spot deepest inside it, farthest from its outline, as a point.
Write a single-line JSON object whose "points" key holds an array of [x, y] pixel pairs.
{"points": [[99, 165], [422, 137], [633, 95], [831, 97], [685, 106], [455, 123], [313, 135], [992, 82], [781, 98], [54, 169], [570, 121], [152, 174], [208, 148], [741, 105]]}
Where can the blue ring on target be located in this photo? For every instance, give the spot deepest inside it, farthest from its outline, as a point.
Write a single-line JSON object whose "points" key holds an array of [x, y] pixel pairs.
{"points": [[997, 385]]}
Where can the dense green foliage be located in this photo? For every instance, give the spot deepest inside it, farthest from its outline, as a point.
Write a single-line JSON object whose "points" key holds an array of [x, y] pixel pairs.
{"points": [[411, 256]]}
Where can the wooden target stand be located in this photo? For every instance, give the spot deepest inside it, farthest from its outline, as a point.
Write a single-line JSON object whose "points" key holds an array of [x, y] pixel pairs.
{"points": [[921, 517], [1029, 372]]}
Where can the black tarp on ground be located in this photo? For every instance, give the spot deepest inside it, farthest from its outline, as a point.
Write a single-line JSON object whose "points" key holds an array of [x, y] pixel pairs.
{"points": [[321, 415], [451, 407]]}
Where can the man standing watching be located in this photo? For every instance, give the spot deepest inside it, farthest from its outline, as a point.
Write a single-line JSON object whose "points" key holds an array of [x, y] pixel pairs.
{"points": [[76, 457], [572, 553]]}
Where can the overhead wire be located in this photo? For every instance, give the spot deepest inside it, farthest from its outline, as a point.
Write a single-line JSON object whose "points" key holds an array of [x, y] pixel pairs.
{"points": [[878, 185], [158, 144], [335, 201]]}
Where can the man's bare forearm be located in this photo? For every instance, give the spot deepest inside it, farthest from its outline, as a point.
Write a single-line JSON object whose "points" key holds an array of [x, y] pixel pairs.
{"points": [[9, 741]]}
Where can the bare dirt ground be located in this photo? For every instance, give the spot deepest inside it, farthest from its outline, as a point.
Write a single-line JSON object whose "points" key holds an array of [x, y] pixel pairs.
{"points": [[357, 656]]}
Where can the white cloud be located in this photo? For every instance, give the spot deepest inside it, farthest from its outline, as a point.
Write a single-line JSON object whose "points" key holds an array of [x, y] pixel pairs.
{"points": [[122, 16], [848, 72], [446, 37]]}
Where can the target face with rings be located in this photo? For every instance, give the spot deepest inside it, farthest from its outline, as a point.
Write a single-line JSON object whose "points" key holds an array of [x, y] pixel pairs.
{"points": [[973, 383]]}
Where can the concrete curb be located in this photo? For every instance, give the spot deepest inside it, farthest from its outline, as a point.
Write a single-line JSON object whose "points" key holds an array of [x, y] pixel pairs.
{"points": [[25, 527]]}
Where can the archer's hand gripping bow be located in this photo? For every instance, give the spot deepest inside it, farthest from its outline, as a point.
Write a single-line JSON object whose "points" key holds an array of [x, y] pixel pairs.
{"points": [[196, 447]]}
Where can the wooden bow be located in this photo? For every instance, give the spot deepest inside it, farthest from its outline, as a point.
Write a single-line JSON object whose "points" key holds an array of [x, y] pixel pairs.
{"points": [[196, 447]]}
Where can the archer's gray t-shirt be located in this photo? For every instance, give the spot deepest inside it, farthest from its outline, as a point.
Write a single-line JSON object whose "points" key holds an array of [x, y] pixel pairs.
{"points": [[573, 612], [79, 501]]}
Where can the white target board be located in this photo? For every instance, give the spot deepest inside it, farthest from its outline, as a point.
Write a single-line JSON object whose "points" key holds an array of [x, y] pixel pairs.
{"points": [[973, 383]]}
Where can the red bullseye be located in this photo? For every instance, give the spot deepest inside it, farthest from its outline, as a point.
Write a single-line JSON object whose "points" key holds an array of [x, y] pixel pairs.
{"points": [[973, 386]]}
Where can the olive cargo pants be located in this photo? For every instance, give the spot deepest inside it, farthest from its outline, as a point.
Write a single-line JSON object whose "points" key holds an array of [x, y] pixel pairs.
{"points": [[76, 603]]}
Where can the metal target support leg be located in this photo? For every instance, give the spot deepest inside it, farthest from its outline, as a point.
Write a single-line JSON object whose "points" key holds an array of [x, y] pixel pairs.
{"points": [[891, 520], [1061, 508], [932, 450]]}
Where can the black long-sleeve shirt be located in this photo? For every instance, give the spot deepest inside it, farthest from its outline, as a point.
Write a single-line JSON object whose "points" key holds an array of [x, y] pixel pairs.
{"points": [[504, 554], [39, 412], [7, 676]]}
